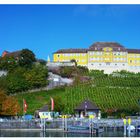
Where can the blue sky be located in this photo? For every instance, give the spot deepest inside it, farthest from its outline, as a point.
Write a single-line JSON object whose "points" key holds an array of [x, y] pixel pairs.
{"points": [[46, 28]]}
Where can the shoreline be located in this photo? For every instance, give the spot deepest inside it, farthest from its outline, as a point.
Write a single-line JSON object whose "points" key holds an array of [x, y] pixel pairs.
{"points": [[21, 129]]}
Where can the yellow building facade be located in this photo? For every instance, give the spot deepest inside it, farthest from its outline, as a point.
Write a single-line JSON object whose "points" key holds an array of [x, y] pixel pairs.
{"points": [[79, 55], [107, 56]]}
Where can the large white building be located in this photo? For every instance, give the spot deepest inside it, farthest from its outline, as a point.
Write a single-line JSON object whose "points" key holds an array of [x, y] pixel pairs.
{"points": [[107, 56]]}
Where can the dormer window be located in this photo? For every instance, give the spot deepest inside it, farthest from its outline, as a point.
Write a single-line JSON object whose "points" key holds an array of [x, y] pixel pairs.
{"points": [[107, 49], [119, 49]]}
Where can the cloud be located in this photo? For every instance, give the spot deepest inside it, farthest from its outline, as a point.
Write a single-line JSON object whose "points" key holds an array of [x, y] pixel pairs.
{"points": [[116, 11]]}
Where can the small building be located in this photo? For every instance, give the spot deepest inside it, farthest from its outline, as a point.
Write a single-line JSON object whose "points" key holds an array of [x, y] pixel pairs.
{"points": [[45, 113], [15, 54], [87, 108]]}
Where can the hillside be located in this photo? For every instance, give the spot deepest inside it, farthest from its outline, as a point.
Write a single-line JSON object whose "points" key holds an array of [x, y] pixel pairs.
{"points": [[111, 94], [36, 100]]}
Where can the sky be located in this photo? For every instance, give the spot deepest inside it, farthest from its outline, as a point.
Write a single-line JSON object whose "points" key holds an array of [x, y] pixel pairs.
{"points": [[45, 29]]}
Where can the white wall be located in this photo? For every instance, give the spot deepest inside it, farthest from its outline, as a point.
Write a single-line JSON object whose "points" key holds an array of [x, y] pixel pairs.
{"points": [[108, 68], [3, 73]]}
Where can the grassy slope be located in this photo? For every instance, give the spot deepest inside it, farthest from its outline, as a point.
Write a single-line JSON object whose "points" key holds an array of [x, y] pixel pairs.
{"points": [[106, 92], [38, 99]]}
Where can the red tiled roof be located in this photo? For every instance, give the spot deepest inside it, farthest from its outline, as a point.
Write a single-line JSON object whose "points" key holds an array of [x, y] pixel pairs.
{"points": [[98, 46], [72, 51], [133, 51], [13, 54]]}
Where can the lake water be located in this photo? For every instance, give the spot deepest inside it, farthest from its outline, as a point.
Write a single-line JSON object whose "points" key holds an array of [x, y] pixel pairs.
{"points": [[38, 133]]}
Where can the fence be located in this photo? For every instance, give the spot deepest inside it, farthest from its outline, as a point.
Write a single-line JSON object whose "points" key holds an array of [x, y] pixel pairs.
{"points": [[63, 124]]}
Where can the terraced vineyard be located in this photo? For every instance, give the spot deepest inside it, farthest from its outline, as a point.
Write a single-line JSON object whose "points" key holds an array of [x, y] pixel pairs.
{"points": [[107, 92]]}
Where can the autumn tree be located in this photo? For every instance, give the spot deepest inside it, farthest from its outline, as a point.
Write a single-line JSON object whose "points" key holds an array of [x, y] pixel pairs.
{"points": [[3, 97], [10, 106]]}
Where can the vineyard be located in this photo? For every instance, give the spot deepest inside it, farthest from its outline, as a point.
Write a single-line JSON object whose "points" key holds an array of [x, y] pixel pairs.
{"points": [[108, 92]]}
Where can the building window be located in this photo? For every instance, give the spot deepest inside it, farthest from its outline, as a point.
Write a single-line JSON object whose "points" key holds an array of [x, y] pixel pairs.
{"points": [[123, 64], [58, 55], [115, 64], [107, 63], [91, 53], [130, 61]]}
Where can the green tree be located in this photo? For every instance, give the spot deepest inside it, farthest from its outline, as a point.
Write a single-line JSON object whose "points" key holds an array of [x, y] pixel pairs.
{"points": [[3, 83], [26, 58], [16, 83], [37, 76], [42, 62], [66, 71], [74, 61], [8, 63]]}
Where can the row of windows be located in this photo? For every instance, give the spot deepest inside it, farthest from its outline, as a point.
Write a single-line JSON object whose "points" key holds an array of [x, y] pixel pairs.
{"points": [[96, 48], [73, 54], [122, 59], [108, 64], [101, 53], [120, 53], [134, 56], [115, 59], [134, 61]]}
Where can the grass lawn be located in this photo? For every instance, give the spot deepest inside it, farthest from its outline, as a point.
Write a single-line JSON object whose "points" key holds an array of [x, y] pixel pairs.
{"points": [[36, 100]]}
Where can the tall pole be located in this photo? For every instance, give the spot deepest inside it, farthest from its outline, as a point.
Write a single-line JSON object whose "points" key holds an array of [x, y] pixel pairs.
{"points": [[129, 126], [124, 121]]}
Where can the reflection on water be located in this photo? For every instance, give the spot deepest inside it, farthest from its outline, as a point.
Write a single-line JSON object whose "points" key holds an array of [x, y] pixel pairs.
{"points": [[37, 133]]}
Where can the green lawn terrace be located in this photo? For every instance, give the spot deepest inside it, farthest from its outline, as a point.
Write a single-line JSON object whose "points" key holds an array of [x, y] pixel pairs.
{"points": [[36, 100], [111, 94]]}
